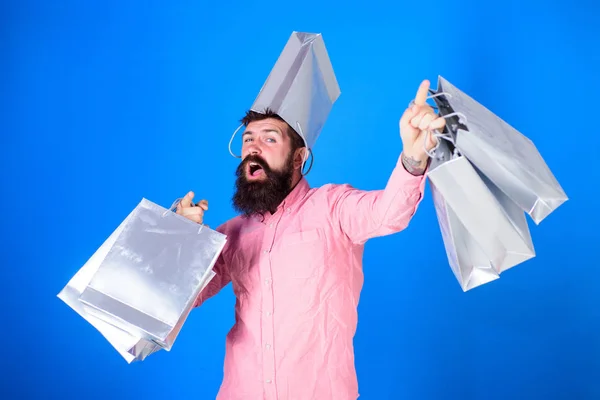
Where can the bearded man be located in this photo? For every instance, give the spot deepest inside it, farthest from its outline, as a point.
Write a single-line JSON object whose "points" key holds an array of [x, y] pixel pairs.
{"points": [[294, 252]]}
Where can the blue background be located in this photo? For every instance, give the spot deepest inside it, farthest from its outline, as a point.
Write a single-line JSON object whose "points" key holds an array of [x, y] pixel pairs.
{"points": [[103, 103]]}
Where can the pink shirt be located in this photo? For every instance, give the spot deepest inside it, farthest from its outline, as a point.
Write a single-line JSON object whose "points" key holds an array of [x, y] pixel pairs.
{"points": [[297, 276]]}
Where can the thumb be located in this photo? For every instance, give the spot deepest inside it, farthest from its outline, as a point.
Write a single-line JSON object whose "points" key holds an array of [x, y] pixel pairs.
{"points": [[187, 199]]}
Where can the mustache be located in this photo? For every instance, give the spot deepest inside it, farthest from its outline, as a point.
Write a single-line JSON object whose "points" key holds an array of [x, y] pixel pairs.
{"points": [[255, 159], [265, 195]]}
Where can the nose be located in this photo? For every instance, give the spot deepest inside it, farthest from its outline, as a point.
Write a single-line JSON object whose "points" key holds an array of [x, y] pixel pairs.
{"points": [[253, 149]]}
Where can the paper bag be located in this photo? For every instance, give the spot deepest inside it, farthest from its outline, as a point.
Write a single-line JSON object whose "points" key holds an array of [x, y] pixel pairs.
{"points": [[484, 232], [301, 88], [469, 263], [151, 269], [508, 158]]}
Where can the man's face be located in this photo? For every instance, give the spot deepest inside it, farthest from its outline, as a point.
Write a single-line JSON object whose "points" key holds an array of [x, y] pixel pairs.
{"points": [[264, 177], [268, 140]]}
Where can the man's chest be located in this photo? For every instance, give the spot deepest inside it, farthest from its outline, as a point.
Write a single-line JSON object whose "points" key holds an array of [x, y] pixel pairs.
{"points": [[283, 251]]}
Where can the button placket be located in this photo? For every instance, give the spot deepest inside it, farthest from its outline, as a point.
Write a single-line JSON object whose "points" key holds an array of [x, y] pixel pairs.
{"points": [[267, 306]]}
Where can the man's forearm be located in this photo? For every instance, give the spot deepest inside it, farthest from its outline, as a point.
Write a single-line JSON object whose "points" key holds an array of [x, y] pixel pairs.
{"points": [[363, 215], [414, 166]]}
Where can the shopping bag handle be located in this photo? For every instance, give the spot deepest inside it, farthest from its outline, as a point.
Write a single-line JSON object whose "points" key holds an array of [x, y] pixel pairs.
{"points": [[301, 133], [231, 141], [436, 133]]}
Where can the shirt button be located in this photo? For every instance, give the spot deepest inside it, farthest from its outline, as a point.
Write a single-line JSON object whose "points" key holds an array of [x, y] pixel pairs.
{"points": [[268, 346], [268, 381], [268, 313], [267, 281], [265, 251], [270, 225]]}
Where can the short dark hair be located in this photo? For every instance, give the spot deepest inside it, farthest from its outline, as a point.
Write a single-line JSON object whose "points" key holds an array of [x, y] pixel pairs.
{"points": [[252, 116]]}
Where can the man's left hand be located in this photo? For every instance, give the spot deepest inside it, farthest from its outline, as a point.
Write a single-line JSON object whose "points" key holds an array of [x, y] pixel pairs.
{"points": [[414, 125]]}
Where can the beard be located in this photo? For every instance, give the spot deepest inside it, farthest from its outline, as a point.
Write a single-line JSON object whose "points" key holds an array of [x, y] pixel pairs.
{"points": [[257, 197]]}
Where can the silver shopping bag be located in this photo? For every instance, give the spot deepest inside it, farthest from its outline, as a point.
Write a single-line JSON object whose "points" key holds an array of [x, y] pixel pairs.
{"points": [[484, 232], [301, 88], [138, 288], [469, 263], [504, 155]]}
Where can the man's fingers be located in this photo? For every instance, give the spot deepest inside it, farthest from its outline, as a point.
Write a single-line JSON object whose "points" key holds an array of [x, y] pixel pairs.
{"points": [[437, 123], [192, 211], [421, 96], [187, 200], [196, 218], [425, 121], [415, 121], [420, 114], [203, 204], [431, 142], [195, 214]]}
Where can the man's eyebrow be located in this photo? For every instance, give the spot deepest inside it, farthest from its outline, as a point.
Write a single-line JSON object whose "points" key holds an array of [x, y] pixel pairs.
{"points": [[270, 130]]}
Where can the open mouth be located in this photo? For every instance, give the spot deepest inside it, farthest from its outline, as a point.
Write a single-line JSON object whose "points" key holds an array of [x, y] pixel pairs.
{"points": [[255, 170]]}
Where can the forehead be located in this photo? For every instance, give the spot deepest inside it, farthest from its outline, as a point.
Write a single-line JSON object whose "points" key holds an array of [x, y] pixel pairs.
{"points": [[267, 125]]}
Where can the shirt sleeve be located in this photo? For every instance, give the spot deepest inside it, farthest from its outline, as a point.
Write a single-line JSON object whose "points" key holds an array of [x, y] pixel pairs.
{"points": [[219, 281], [363, 215]]}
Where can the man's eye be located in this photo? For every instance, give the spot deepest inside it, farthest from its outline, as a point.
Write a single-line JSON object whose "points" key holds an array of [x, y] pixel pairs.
{"points": [[247, 140], [270, 140]]}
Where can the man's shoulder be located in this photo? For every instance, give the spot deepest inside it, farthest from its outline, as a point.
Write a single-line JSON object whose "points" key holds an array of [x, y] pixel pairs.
{"points": [[231, 225], [331, 190]]}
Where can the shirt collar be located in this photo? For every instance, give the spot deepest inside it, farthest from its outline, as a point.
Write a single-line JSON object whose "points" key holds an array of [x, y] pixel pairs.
{"points": [[296, 194]]}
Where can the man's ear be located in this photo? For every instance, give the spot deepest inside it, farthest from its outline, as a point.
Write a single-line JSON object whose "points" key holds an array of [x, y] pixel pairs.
{"points": [[299, 156]]}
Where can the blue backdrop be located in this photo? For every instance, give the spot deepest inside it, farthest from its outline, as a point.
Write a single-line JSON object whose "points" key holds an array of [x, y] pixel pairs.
{"points": [[103, 103]]}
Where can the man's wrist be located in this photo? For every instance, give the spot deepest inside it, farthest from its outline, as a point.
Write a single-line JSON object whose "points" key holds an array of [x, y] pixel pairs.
{"points": [[414, 165]]}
